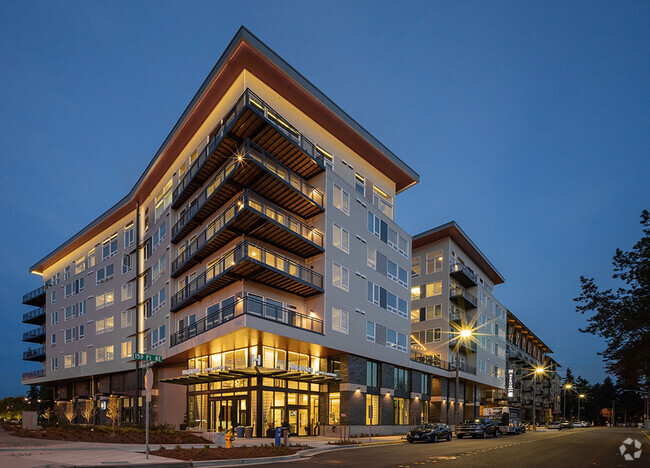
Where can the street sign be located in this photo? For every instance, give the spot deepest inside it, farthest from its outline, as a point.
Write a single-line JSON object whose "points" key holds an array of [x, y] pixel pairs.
{"points": [[147, 357]]}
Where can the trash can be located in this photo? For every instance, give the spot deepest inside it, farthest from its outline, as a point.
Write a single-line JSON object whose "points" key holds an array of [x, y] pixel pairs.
{"points": [[278, 436], [248, 433], [239, 430]]}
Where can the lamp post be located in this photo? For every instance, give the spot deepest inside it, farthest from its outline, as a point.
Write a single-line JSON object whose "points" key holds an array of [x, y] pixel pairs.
{"points": [[463, 335], [566, 387], [538, 370], [580, 397]]}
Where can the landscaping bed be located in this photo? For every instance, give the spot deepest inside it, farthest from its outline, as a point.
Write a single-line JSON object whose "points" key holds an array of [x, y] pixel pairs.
{"points": [[105, 434], [220, 453]]}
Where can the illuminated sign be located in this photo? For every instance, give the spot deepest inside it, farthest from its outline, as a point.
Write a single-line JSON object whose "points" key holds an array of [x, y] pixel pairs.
{"points": [[510, 383], [310, 370]]}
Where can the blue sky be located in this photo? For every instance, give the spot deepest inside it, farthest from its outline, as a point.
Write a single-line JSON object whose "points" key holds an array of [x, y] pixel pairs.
{"points": [[528, 122]]}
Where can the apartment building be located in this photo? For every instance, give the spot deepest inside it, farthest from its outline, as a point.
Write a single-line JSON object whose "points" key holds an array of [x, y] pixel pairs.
{"points": [[452, 293], [527, 388], [259, 256]]}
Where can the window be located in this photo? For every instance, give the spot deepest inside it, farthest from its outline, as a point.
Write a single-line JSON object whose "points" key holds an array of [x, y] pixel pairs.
{"points": [[391, 270], [482, 367], [372, 374], [360, 183], [403, 247], [402, 381], [158, 301], [83, 358], [370, 331], [340, 320], [341, 238], [128, 235], [373, 293], [55, 317], [372, 258], [415, 315], [127, 349], [159, 268], [66, 273], [82, 331], [159, 236], [81, 308], [391, 338], [401, 342], [372, 401], [340, 277], [341, 199], [91, 258], [415, 267], [109, 247], [391, 302], [127, 318], [434, 289], [55, 363], [70, 335], [127, 291], [68, 361], [104, 353], [434, 312], [104, 325], [434, 262], [53, 297], [392, 239], [374, 224], [383, 201], [158, 337], [437, 334], [126, 264], [104, 300], [495, 349], [415, 293], [79, 265], [70, 312], [334, 408], [53, 339], [163, 199], [105, 273]]}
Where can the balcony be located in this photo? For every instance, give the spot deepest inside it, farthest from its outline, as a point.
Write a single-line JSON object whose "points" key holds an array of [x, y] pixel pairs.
{"points": [[463, 274], [468, 344], [429, 360], [35, 297], [256, 169], [251, 214], [253, 307], [34, 374], [34, 354], [464, 367], [463, 298], [251, 118], [35, 317], [37, 335], [252, 262]]}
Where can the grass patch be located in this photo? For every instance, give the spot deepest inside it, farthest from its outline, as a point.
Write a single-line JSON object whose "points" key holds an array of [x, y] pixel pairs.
{"points": [[220, 453]]}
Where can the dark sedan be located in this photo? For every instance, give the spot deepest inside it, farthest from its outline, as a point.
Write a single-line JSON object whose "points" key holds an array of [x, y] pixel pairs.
{"points": [[477, 427], [429, 433]]}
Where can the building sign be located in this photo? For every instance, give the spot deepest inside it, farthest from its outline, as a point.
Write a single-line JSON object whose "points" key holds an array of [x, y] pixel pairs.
{"points": [[310, 370], [200, 371], [510, 383]]}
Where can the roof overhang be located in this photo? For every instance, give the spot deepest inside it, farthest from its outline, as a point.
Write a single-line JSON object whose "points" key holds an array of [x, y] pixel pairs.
{"points": [[245, 52], [320, 378], [453, 231], [512, 318]]}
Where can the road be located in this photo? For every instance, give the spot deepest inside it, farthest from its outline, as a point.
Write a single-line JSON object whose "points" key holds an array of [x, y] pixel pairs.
{"points": [[580, 447]]}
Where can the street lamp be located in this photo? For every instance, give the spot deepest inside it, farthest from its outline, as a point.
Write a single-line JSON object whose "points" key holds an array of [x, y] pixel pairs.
{"points": [[538, 371], [464, 334], [580, 397], [566, 387]]}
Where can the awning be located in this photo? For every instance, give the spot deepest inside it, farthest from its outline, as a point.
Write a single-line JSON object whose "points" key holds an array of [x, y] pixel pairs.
{"points": [[248, 372]]}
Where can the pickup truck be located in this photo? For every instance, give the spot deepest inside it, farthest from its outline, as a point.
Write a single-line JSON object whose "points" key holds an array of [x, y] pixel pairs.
{"points": [[477, 427]]}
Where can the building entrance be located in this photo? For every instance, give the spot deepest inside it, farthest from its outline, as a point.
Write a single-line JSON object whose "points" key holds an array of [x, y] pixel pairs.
{"points": [[227, 413]]}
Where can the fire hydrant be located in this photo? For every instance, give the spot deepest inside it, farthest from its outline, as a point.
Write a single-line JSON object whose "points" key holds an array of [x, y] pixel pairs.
{"points": [[229, 438]]}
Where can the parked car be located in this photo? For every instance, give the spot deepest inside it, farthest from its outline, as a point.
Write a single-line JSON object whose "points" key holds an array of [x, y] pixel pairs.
{"points": [[477, 427], [567, 425], [429, 433], [554, 425], [581, 424]]}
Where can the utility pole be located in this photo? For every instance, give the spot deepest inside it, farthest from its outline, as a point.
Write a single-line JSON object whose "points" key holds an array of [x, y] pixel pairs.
{"points": [[456, 401]]}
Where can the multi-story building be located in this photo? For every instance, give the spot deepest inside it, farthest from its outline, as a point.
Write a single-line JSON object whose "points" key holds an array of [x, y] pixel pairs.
{"points": [[258, 254], [527, 388], [451, 292]]}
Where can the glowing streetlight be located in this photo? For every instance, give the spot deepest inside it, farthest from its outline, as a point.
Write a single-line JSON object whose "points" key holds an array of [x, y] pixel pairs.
{"points": [[580, 397], [567, 386], [464, 334], [539, 370]]}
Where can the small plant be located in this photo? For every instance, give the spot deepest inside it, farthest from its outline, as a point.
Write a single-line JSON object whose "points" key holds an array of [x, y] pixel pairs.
{"points": [[206, 446], [69, 411], [88, 411], [178, 447], [161, 448], [113, 410]]}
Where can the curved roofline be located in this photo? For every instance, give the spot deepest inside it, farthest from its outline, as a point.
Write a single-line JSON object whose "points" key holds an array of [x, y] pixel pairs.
{"points": [[243, 35]]}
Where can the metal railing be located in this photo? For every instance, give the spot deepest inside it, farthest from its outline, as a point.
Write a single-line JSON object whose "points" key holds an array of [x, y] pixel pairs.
{"points": [[248, 150], [429, 360], [459, 267], [34, 333], [248, 306], [459, 291], [33, 294], [33, 314], [33, 352], [464, 367], [253, 201], [247, 250], [279, 123], [34, 374]]}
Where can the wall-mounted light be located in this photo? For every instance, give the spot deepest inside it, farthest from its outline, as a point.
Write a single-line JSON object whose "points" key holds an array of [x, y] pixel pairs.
{"points": [[358, 389], [388, 394]]}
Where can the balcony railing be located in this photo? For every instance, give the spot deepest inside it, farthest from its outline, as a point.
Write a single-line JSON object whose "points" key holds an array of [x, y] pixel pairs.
{"points": [[254, 102], [33, 315], [250, 252], [429, 360], [463, 274], [34, 374], [248, 306], [32, 353], [33, 334], [34, 296], [464, 367], [463, 297], [247, 200], [247, 152]]}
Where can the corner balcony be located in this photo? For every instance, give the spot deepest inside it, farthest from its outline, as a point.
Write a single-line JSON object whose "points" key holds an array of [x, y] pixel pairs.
{"points": [[35, 297], [254, 168], [37, 335], [252, 215], [429, 360], [467, 344], [35, 317], [34, 354], [251, 118], [34, 374], [252, 262], [253, 307], [463, 275], [463, 298]]}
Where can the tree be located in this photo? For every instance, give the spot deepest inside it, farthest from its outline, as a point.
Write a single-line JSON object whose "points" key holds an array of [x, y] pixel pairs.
{"points": [[88, 411], [69, 411], [622, 317], [113, 410]]}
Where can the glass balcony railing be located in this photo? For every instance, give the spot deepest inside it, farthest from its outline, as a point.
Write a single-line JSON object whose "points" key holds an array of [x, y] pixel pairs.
{"points": [[251, 100], [429, 360], [32, 353], [34, 296], [33, 334], [248, 151], [248, 306], [34, 315], [247, 200], [34, 374], [463, 297], [248, 251], [463, 274]]}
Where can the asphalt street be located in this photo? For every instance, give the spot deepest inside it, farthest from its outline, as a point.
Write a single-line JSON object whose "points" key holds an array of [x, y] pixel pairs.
{"points": [[580, 447]]}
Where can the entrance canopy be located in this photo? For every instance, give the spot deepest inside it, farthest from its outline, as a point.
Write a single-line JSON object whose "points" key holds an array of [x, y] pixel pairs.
{"points": [[221, 375]]}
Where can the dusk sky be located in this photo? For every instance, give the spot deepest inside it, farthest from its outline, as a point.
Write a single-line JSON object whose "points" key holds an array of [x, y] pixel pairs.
{"points": [[528, 122]]}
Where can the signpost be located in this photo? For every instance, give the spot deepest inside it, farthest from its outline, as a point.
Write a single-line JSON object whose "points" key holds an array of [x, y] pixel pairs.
{"points": [[370, 417], [149, 359]]}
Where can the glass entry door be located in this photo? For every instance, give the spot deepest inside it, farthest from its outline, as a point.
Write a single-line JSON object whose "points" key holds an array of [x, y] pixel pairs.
{"points": [[227, 413]]}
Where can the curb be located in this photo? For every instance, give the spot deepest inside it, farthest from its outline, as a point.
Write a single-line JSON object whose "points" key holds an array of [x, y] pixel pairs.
{"points": [[392, 442]]}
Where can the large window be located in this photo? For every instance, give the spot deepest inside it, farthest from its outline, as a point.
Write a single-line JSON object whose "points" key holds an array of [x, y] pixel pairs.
{"points": [[128, 235], [370, 331], [360, 183], [163, 199], [402, 382], [372, 374], [340, 277], [372, 405], [401, 411], [434, 289], [341, 199], [341, 238], [109, 247], [104, 300], [334, 408], [434, 261], [340, 319]]}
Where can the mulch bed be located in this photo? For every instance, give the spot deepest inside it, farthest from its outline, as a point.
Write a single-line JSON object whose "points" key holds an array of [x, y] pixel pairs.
{"points": [[105, 434], [199, 454]]}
